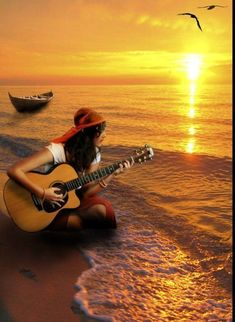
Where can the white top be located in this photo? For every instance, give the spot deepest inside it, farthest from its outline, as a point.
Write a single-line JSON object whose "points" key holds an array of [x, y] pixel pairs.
{"points": [[58, 152]]}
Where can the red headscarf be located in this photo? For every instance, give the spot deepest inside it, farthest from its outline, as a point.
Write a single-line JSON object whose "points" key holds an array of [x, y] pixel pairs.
{"points": [[83, 118]]}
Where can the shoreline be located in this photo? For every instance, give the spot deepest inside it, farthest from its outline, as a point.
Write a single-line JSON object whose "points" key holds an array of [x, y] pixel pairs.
{"points": [[38, 272]]}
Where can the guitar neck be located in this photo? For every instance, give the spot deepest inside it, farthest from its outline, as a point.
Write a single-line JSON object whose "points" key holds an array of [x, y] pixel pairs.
{"points": [[94, 176]]}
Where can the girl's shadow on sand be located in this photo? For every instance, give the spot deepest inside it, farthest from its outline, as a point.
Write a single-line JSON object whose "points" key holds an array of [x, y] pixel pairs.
{"points": [[39, 267], [44, 250]]}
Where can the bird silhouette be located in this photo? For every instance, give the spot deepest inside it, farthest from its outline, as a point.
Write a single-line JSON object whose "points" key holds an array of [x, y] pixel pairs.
{"points": [[213, 6], [192, 16]]}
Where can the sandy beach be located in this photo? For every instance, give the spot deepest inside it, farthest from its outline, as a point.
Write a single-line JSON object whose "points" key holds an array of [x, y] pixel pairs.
{"points": [[37, 275]]}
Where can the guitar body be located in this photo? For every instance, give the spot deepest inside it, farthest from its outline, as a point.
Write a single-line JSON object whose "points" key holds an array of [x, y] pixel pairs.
{"points": [[29, 212]]}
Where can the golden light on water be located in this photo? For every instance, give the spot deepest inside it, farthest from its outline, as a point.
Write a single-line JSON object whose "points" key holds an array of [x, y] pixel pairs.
{"points": [[192, 89], [192, 130], [191, 112], [192, 65], [190, 146], [191, 100]]}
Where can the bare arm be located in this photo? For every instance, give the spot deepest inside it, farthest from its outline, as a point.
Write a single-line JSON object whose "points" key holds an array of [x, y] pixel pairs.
{"points": [[19, 171]]}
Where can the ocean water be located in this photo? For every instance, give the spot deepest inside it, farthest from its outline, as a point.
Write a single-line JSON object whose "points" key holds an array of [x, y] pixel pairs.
{"points": [[170, 258]]}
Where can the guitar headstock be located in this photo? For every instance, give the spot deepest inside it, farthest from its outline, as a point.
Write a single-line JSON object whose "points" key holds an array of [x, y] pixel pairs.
{"points": [[143, 154]]}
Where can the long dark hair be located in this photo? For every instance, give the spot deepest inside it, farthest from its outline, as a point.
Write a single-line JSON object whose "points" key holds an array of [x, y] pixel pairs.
{"points": [[80, 148]]}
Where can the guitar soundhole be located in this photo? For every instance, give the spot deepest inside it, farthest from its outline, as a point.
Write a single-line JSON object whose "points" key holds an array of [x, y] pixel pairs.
{"points": [[51, 206], [62, 188]]}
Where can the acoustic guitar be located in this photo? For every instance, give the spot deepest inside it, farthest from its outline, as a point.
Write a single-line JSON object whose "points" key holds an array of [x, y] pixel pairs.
{"points": [[31, 214]]}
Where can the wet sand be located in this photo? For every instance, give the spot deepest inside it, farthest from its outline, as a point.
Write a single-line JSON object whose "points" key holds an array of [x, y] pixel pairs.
{"points": [[37, 275]]}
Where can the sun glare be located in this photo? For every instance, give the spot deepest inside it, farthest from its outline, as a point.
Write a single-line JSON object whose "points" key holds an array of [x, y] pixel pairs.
{"points": [[193, 66]]}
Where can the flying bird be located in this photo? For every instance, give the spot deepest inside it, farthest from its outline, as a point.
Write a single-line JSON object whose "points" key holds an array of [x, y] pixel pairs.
{"points": [[212, 6], [192, 16]]}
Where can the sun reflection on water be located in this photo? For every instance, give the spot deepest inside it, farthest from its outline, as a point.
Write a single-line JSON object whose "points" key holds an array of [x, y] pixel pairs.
{"points": [[192, 130], [191, 112], [190, 146], [192, 89], [192, 66], [191, 99]]}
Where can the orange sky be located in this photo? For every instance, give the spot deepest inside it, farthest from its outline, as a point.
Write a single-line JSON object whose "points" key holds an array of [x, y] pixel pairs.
{"points": [[111, 41]]}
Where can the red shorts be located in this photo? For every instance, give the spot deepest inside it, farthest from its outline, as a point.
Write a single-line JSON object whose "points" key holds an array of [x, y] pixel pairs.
{"points": [[60, 221]]}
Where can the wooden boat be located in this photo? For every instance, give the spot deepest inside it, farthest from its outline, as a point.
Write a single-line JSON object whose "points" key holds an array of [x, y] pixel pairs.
{"points": [[29, 103]]}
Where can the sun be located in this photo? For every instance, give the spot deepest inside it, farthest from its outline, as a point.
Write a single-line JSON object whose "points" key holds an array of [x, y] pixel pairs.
{"points": [[193, 64]]}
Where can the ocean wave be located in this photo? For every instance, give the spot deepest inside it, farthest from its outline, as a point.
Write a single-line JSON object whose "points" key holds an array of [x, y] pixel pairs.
{"points": [[179, 163], [139, 270]]}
